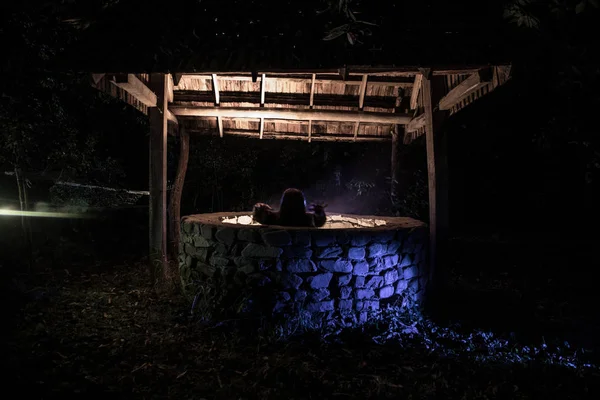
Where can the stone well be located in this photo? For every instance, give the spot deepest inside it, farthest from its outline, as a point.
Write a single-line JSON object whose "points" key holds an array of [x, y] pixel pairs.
{"points": [[339, 272]]}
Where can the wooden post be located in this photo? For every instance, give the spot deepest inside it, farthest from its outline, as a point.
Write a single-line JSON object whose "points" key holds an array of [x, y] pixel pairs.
{"points": [[175, 204], [158, 176], [396, 170], [437, 171]]}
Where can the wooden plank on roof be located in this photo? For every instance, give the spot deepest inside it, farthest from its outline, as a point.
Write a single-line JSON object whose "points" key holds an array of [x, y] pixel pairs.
{"points": [[294, 114], [467, 87], [136, 88]]}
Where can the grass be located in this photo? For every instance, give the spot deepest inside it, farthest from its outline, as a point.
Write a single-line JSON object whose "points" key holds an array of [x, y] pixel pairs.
{"points": [[96, 328]]}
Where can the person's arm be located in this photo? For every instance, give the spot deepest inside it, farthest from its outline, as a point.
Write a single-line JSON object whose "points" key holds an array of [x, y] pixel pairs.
{"points": [[319, 216], [264, 214]]}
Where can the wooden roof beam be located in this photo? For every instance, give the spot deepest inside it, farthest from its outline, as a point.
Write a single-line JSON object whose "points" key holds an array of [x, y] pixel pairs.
{"points": [[414, 97], [292, 114], [135, 87], [472, 83]]}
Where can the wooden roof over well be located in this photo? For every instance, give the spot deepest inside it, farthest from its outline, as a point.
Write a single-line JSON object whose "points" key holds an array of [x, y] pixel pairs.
{"points": [[347, 104]]}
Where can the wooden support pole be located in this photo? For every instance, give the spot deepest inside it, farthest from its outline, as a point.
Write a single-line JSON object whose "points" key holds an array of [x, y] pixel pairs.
{"points": [[262, 90], [309, 130], [437, 173], [396, 170], [158, 176], [175, 204], [293, 114], [356, 127], [362, 91]]}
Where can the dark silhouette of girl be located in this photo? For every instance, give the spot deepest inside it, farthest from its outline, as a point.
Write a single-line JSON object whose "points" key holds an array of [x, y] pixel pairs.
{"points": [[292, 211]]}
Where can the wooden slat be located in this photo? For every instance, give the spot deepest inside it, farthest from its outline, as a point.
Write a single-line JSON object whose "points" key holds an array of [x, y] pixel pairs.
{"points": [[464, 89], [356, 127], [415, 91], [135, 87], [293, 114], [262, 89], [362, 91], [312, 90], [262, 128], [220, 125], [215, 85]]}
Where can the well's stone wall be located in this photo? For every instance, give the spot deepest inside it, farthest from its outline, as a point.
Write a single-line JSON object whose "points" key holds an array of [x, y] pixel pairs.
{"points": [[323, 274]]}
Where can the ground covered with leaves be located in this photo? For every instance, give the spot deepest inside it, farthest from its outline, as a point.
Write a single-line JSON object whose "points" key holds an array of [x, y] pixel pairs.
{"points": [[99, 330]]}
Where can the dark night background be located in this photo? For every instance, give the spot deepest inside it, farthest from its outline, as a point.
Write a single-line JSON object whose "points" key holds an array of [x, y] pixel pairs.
{"points": [[524, 165]]}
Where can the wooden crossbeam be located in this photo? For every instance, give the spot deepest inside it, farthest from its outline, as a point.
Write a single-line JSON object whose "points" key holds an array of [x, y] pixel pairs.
{"points": [[135, 87], [215, 85], [362, 91], [303, 99], [324, 79], [414, 97], [466, 87], [292, 136], [293, 114]]}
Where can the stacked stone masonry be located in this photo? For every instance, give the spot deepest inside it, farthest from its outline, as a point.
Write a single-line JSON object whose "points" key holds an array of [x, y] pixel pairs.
{"points": [[328, 273]]}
